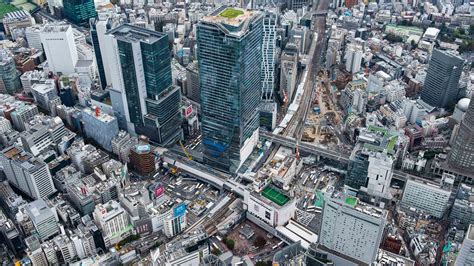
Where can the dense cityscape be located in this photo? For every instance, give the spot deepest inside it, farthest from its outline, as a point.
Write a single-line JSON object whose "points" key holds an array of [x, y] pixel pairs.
{"points": [[252, 132]]}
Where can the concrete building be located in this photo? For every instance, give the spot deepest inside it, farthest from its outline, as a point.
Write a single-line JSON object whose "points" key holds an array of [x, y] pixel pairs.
{"points": [[288, 72], [142, 158], [192, 82], [27, 173], [266, 210], [428, 197], [353, 58], [16, 20], [352, 228], [5, 125], [113, 221], [43, 219], [463, 207], [466, 254], [44, 93], [59, 47], [100, 126], [33, 37], [441, 83], [174, 225]]}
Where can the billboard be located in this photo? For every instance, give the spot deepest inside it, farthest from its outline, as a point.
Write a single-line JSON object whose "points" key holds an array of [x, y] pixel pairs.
{"points": [[188, 111], [159, 190], [179, 210]]}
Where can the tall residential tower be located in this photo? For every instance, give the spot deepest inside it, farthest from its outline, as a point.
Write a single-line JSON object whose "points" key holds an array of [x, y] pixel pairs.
{"points": [[229, 51]]}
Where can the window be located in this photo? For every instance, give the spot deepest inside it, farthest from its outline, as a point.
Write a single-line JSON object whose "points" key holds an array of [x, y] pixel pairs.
{"points": [[267, 215]]}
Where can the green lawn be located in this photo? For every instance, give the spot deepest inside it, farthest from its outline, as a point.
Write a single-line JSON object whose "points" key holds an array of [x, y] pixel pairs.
{"points": [[5, 8], [231, 13], [351, 201], [275, 196]]}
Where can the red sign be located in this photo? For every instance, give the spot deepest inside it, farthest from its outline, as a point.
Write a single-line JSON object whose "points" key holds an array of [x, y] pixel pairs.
{"points": [[159, 190], [188, 111]]}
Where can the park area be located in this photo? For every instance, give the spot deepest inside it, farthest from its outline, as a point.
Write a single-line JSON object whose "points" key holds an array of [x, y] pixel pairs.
{"points": [[275, 196], [231, 13], [5, 8]]}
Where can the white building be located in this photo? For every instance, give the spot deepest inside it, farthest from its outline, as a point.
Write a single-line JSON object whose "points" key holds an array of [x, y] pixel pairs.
{"points": [[353, 58], [379, 174], [466, 254], [43, 219], [429, 197], [33, 37], [27, 173], [269, 55], [60, 48], [43, 93], [268, 211], [352, 228], [5, 125], [113, 221], [174, 225]]}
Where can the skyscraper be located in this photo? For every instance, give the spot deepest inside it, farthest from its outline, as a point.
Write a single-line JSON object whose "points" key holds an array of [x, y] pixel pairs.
{"points": [[79, 11], [99, 26], [143, 96], [229, 51], [441, 84], [268, 56], [461, 155]]}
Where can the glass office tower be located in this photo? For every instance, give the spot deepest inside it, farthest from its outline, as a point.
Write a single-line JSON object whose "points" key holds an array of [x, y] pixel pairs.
{"points": [[229, 55], [142, 89]]}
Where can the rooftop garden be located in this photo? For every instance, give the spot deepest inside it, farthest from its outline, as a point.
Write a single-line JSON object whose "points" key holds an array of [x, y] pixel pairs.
{"points": [[231, 13]]}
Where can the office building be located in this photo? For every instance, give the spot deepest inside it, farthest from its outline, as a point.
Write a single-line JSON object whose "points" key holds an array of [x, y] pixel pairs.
{"points": [[27, 173], [99, 27], [113, 221], [173, 225], [44, 93], [79, 11], [33, 37], [192, 82], [466, 254], [298, 4], [143, 97], [5, 125], [461, 155], [43, 219], [463, 207], [9, 75], [429, 197], [288, 72], [442, 79], [353, 58], [100, 126], [229, 51], [60, 47], [65, 249], [352, 228]]}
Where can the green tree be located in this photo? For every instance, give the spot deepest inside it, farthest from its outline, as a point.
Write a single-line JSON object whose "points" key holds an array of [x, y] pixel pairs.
{"points": [[230, 244], [259, 241]]}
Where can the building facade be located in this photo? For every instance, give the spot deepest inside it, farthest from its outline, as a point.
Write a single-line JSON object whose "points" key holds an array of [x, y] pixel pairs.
{"points": [[229, 51], [79, 11], [143, 97], [441, 83], [461, 155]]}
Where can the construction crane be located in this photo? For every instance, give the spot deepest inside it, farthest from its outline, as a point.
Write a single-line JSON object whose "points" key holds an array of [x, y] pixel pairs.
{"points": [[185, 151]]}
